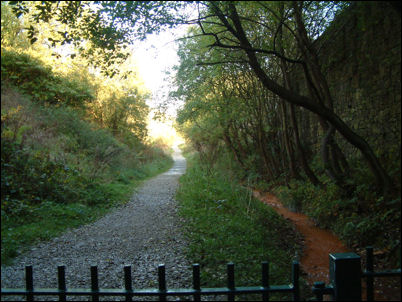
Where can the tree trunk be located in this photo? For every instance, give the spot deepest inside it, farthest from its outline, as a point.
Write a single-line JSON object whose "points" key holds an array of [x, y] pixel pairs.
{"points": [[381, 176], [310, 174], [289, 151], [318, 87]]}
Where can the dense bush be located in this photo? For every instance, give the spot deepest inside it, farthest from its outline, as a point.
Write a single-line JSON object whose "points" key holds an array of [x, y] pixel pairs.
{"points": [[54, 162], [359, 220], [31, 76], [73, 143], [31, 173]]}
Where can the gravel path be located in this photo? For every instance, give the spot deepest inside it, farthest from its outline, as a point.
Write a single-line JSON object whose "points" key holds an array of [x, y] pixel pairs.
{"points": [[143, 233]]}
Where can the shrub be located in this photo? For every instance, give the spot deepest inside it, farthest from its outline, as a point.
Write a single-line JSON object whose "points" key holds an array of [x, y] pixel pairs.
{"points": [[360, 220], [32, 77]]}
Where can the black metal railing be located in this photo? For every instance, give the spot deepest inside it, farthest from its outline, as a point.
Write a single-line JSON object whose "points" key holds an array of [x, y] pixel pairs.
{"points": [[162, 291], [342, 275], [344, 271], [369, 273]]}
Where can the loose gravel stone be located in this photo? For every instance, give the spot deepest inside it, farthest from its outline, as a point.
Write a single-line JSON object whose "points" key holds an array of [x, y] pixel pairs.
{"points": [[143, 233]]}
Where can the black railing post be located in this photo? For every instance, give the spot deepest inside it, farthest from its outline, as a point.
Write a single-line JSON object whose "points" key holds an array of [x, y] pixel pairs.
{"points": [[94, 283], [345, 275], [196, 281], [128, 282], [29, 282], [162, 282], [369, 269], [295, 281], [231, 281], [318, 290], [265, 280], [61, 273]]}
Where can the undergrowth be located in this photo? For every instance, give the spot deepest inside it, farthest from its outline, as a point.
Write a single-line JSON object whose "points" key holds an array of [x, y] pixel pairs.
{"points": [[361, 219], [224, 223], [60, 171]]}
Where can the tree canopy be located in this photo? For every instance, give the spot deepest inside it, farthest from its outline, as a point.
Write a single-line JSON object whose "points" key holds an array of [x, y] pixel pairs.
{"points": [[268, 39], [99, 30], [298, 97]]}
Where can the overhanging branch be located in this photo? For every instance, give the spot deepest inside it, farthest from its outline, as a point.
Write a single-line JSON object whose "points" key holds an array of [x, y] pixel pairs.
{"points": [[221, 62]]}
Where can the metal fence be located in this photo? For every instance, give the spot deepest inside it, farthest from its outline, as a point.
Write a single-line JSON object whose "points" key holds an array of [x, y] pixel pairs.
{"points": [[345, 276], [162, 291], [344, 271]]}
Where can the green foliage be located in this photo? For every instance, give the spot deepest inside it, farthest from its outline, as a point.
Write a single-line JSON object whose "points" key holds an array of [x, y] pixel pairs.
{"points": [[360, 220], [117, 106], [320, 204], [99, 32], [236, 125], [59, 171], [12, 34], [41, 179], [225, 223], [31, 76], [42, 222], [121, 108]]}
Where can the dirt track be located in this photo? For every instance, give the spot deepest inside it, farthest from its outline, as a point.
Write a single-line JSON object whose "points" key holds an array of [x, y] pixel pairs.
{"points": [[143, 233]]}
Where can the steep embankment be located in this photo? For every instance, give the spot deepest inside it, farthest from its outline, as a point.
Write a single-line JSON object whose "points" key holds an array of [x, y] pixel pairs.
{"points": [[143, 233], [60, 170]]}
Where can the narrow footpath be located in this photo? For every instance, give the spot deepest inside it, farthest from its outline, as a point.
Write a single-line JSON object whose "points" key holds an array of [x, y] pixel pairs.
{"points": [[318, 244], [143, 233]]}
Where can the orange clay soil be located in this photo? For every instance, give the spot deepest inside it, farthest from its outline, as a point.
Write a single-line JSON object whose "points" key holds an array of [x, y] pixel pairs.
{"points": [[318, 244]]}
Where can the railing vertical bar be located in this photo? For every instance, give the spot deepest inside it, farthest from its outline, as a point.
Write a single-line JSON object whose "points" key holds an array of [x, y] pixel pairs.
{"points": [[319, 293], [196, 281], [295, 281], [231, 281], [340, 288], [370, 269], [128, 282], [265, 279], [94, 283], [29, 282], [61, 273], [162, 282]]}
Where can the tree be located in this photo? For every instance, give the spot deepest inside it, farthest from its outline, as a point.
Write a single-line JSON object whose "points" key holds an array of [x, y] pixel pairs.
{"points": [[243, 32], [239, 27], [100, 30], [11, 30]]}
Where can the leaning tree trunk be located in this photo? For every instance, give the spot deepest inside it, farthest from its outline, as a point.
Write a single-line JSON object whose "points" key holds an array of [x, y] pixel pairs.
{"points": [[319, 89], [310, 174], [288, 147], [283, 65], [382, 178]]}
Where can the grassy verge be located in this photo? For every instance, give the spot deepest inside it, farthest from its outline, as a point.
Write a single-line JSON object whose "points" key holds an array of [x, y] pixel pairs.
{"points": [[224, 223], [59, 170], [49, 219]]}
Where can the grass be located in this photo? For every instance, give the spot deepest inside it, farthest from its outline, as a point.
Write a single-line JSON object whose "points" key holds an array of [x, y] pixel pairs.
{"points": [[224, 223], [49, 219], [60, 171]]}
